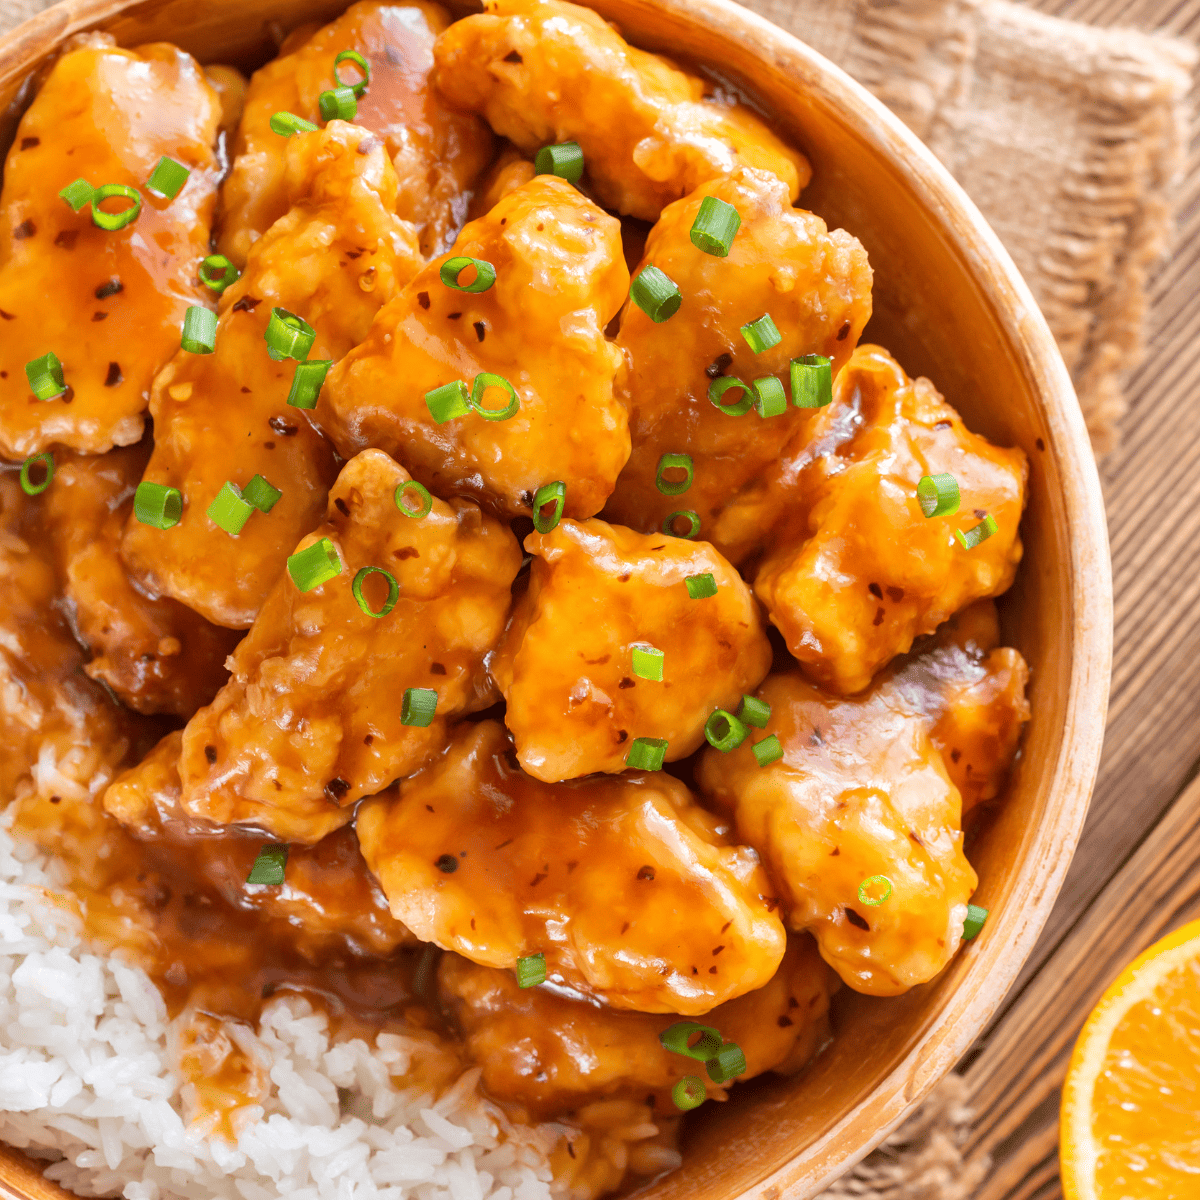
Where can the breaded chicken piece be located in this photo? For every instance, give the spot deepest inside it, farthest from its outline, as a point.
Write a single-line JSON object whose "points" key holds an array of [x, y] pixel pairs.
{"points": [[510, 171], [863, 791], [597, 592], [334, 259], [313, 717], [544, 71], [108, 303], [560, 278], [156, 655], [626, 885], [856, 571], [552, 1054], [437, 151], [816, 287]]}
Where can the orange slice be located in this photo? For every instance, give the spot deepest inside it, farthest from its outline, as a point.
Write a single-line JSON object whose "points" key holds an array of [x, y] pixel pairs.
{"points": [[1130, 1125]]}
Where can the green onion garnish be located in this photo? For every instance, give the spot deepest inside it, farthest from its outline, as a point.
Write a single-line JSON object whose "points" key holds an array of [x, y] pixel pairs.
{"points": [[974, 922], [77, 194], [715, 226], [268, 866], [812, 381], [419, 706], [217, 272], [564, 160], [655, 294], [692, 518], [867, 888], [674, 462], [647, 662], [452, 269], [449, 401], [167, 178], [754, 712], [481, 384], [353, 56], [45, 376], [549, 493], [157, 505], [421, 492], [977, 533], [647, 754], [229, 510], [288, 336], [199, 335], [700, 587], [770, 400], [689, 1093], [286, 123], [762, 334], [724, 732], [46, 461], [767, 751], [308, 381], [721, 385], [393, 592], [262, 494], [314, 565], [118, 220], [531, 970], [728, 1063], [340, 104], [677, 1039]]}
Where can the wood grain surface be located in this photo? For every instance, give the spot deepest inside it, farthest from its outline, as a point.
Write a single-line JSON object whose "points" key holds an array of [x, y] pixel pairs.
{"points": [[1135, 875]]}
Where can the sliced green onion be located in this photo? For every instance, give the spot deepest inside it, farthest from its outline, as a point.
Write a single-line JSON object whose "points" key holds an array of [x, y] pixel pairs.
{"points": [[647, 754], [976, 916], [689, 1093], [655, 294], [268, 866], [229, 510], [199, 335], [45, 376], [770, 400], [261, 493], [308, 381], [938, 495], [767, 751], [531, 970], [157, 505], [340, 104], [724, 732], [867, 887], [549, 493], [753, 711], [700, 587], [812, 381], [677, 1039], [647, 662], [449, 401], [118, 220], [46, 460], [728, 1063], [676, 462], [762, 334], [715, 226], [721, 385], [286, 123], [424, 499], [977, 533], [217, 272], [353, 56], [564, 160], [393, 592], [452, 269], [288, 336], [693, 520], [419, 706], [482, 382], [167, 178], [77, 194], [316, 564]]}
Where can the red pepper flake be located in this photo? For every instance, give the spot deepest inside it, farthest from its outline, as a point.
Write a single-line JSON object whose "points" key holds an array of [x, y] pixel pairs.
{"points": [[447, 863], [784, 1022], [857, 921], [28, 143], [844, 332], [26, 229], [879, 615], [480, 330], [66, 238], [110, 287], [369, 144], [718, 366], [6, 316], [342, 507], [646, 873], [895, 594], [99, 316], [336, 789], [423, 299], [514, 56], [875, 590], [436, 669], [281, 427], [114, 376], [537, 879], [210, 753], [247, 304]]}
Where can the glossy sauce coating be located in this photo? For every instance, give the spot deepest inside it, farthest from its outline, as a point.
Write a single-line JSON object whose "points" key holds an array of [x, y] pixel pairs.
{"points": [[334, 259], [109, 304], [596, 591], [311, 719], [626, 885], [437, 151], [544, 71], [560, 278]]}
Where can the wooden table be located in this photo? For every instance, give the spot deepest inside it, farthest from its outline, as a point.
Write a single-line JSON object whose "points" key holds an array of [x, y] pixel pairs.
{"points": [[1136, 873]]}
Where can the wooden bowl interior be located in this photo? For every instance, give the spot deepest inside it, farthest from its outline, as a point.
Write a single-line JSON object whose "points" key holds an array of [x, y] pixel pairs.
{"points": [[948, 304]]}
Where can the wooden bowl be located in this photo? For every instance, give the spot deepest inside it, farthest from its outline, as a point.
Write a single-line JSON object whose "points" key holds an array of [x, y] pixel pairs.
{"points": [[949, 304]]}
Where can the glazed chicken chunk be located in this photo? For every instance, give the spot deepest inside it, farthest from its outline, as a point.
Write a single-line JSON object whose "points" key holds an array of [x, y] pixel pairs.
{"points": [[437, 151], [813, 284], [544, 71], [315, 715], [552, 1053], [559, 278], [626, 885], [600, 598], [334, 259], [107, 303]]}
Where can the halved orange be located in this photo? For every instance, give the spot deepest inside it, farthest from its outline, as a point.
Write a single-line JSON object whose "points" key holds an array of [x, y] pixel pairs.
{"points": [[1130, 1126]]}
